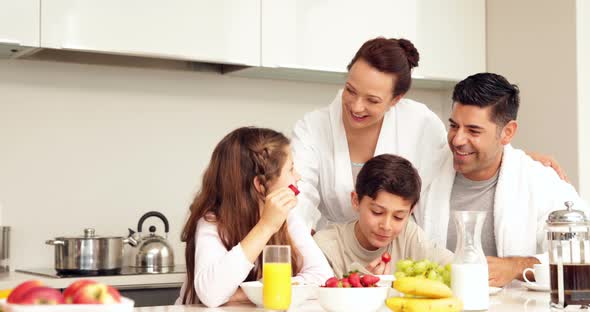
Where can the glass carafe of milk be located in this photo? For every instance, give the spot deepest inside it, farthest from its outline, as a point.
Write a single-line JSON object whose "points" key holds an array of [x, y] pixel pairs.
{"points": [[469, 270]]}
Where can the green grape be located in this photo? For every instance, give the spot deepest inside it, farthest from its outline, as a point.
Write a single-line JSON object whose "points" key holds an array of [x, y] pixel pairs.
{"points": [[403, 264], [432, 275], [440, 269], [409, 271], [399, 275], [420, 267], [448, 267], [446, 275]]}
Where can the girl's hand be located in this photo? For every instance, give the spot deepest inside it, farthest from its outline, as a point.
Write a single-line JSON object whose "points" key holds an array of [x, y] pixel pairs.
{"points": [[276, 208]]}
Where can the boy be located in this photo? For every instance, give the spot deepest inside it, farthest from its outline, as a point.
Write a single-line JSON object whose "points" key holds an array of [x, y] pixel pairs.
{"points": [[387, 189]]}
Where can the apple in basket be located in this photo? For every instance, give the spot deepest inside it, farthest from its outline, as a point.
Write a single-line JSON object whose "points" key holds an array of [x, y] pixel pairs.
{"points": [[41, 295], [96, 293], [17, 293], [73, 288]]}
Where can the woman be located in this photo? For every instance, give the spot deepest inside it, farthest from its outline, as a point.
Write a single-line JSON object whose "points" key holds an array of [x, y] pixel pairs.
{"points": [[369, 117], [242, 206]]}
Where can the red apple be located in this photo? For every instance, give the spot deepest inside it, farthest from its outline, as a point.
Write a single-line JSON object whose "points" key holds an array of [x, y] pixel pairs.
{"points": [[73, 288], [97, 293], [21, 289], [42, 295]]}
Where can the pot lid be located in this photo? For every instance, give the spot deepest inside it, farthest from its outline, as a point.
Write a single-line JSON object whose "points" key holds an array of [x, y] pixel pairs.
{"points": [[89, 233], [568, 216]]}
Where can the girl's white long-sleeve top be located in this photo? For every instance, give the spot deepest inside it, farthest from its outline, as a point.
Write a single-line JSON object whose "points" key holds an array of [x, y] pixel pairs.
{"points": [[219, 272]]}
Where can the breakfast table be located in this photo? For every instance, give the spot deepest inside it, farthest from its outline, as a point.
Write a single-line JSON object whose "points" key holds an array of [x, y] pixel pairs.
{"points": [[512, 298]]}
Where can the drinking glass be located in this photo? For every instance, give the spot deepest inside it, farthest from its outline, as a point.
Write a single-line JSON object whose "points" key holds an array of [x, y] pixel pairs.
{"points": [[276, 277]]}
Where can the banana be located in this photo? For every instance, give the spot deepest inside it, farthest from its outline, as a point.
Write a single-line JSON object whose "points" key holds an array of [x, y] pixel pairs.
{"points": [[422, 287], [402, 304]]}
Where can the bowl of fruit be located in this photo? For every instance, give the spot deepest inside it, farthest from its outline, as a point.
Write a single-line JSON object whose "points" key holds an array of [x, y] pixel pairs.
{"points": [[354, 292], [82, 295]]}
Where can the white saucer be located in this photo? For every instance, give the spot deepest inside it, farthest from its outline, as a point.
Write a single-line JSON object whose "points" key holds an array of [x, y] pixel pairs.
{"points": [[494, 290], [536, 287]]}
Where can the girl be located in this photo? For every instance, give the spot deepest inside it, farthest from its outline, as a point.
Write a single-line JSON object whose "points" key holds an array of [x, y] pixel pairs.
{"points": [[242, 206]]}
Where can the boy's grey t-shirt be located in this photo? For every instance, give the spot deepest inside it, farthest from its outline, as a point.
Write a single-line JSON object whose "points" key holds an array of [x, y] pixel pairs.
{"points": [[474, 196], [341, 247]]}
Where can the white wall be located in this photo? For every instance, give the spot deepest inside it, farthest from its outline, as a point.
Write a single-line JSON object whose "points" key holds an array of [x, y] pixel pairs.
{"points": [[583, 33], [98, 146], [533, 44]]}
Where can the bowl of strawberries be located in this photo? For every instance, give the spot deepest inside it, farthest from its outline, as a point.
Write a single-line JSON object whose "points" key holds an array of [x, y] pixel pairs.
{"points": [[353, 292]]}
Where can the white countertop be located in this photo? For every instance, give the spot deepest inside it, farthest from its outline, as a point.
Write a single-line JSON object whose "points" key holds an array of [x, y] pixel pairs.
{"points": [[513, 298], [11, 279]]}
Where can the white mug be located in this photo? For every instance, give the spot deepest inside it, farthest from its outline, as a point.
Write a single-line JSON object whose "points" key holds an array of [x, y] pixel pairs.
{"points": [[541, 273]]}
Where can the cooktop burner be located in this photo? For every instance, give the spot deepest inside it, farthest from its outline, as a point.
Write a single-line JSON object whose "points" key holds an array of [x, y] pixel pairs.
{"points": [[47, 272]]}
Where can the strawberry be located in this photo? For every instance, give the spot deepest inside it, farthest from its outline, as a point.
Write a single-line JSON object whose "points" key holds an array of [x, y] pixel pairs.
{"points": [[369, 280], [345, 280], [386, 257], [346, 284], [355, 280], [294, 189], [332, 282]]}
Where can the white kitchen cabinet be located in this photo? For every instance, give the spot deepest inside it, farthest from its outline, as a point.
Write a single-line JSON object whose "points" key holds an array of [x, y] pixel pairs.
{"points": [[19, 25], [451, 38], [322, 36], [220, 31]]}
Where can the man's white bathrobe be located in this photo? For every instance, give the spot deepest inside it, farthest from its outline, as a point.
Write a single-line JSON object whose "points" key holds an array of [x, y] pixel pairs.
{"points": [[322, 158], [526, 193]]}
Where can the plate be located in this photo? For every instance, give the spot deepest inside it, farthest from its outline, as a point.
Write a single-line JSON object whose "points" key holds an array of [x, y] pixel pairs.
{"points": [[494, 290], [536, 287]]}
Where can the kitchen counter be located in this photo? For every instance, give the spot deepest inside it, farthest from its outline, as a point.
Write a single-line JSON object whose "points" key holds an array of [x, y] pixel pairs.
{"points": [[513, 298], [141, 281]]}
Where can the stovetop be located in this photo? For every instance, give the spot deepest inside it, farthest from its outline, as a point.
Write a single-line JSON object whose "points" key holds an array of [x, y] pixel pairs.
{"points": [[128, 270]]}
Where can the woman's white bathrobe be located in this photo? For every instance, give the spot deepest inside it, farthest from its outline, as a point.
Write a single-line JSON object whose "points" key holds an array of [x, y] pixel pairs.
{"points": [[322, 158], [526, 193]]}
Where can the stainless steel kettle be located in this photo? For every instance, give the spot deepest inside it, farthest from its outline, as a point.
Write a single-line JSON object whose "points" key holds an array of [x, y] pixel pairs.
{"points": [[154, 253]]}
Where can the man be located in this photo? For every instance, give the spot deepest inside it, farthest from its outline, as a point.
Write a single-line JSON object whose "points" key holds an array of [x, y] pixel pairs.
{"points": [[386, 191], [482, 171]]}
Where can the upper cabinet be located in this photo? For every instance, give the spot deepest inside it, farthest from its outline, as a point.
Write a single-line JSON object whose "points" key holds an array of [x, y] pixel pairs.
{"points": [[220, 31], [324, 35], [451, 38], [19, 25]]}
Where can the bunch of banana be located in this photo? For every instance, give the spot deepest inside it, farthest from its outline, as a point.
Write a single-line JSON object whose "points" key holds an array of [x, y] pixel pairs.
{"points": [[423, 295]]}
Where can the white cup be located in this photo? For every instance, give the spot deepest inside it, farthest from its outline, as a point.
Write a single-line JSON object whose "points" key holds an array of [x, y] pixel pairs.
{"points": [[541, 273]]}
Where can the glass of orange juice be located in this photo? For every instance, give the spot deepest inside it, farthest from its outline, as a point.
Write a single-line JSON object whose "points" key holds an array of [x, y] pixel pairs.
{"points": [[276, 277]]}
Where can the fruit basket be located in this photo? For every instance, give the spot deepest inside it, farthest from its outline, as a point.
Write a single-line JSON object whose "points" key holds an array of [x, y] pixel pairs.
{"points": [[126, 305]]}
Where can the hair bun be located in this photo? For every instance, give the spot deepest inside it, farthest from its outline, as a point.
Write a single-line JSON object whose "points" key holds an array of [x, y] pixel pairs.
{"points": [[411, 52]]}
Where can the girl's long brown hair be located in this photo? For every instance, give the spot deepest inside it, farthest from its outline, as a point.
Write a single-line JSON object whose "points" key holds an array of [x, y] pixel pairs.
{"points": [[228, 196]]}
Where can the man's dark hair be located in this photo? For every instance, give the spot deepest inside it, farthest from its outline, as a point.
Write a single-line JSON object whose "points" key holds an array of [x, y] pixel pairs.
{"points": [[389, 173], [487, 89]]}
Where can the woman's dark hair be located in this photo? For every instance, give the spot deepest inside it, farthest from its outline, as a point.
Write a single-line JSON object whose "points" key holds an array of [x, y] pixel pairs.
{"points": [[389, 173], [229, 199], [392, 56], [487, 89]]}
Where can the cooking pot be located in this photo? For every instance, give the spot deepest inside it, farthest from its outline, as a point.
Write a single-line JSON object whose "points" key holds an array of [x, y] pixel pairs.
{"points": [[89, 254]]}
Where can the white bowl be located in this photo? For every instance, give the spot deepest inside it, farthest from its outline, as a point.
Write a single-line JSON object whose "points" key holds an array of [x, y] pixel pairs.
{"points": [[368, 299], [385, 280], [299, 293]]}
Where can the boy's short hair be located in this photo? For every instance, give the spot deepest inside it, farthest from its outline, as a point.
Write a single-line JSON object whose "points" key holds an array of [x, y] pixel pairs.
{"points": [[392, 174]]}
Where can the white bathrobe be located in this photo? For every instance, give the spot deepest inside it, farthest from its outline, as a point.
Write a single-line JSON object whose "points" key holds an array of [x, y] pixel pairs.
{"points": [[526, 193], [322, 158]]}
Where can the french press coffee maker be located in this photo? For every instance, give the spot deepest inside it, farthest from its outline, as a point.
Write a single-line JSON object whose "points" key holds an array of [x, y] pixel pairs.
{"points": [[568, 235]]}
